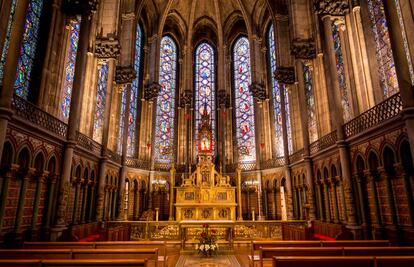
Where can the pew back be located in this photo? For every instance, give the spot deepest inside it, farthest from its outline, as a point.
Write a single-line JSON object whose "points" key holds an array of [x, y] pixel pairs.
{"points": [[35, 254], [323, 261], [94, 263], [401, 261], [58, 245], [161, 245], [356, 243], [378, 251], [23, 263]]}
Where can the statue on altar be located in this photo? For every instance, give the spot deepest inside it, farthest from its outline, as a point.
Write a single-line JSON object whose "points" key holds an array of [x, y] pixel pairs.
{"points": [[205, 194]]}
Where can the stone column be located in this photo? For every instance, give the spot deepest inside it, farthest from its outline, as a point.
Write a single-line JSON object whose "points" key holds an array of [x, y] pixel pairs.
{"points": [[239, 194], [327, 202], [377, 224], [84, 199], [305, 52], [41, 182], [92, 206], [25, 175], [10, 68], [137, 203], [7, 173], [335, 200], [402, 174], [107, 50], [172, 176], [361, 203], [401, 67], [49, 200], [386, 178], [320, 199], [85, 8], [286, 76]]}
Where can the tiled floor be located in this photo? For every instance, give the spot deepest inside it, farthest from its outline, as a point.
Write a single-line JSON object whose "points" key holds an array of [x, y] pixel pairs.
{"points": [[215, 261]]}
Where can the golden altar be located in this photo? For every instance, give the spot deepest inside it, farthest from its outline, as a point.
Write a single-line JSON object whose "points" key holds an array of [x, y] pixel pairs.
{"points": [[205, 194]]}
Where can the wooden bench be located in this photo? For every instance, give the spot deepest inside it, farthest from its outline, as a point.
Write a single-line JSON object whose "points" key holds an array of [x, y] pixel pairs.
{"points": [[356, 243], [401, 261], [82, 254], [73, 263], [161, 245], [378, 251], [323, 261]]}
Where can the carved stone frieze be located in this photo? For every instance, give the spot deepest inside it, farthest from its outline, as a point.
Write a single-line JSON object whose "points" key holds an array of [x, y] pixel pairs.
{"points": [[107, 48], [151, 90], [285, 75], [303, 48], [186, 98], [258, 91], [223, 98], [331, 7], [125, 74]]}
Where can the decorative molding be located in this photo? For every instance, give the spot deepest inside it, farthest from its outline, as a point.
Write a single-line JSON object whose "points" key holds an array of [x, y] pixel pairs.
{"points": [[151, 91], [125, 74], [107, 48], [331, 7], [258, 91], [128, 16], [186, 98], [303, 48], [285, 75], [223, 98]]}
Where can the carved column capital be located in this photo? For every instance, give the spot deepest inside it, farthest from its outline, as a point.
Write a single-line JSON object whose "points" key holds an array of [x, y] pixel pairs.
{"points": [[258, 91], [223, 98], [107, 48], [125, 74], [151, 90], [285, 75], [303, 48], [186, 98], [331, 7]]}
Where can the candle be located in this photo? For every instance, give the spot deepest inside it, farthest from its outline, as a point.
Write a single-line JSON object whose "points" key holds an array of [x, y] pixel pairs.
{"points": [[252, 214], [156, 214]]}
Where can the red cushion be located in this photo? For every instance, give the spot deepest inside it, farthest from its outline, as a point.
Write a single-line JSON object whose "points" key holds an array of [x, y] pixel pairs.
{"points": [[324, 237]]}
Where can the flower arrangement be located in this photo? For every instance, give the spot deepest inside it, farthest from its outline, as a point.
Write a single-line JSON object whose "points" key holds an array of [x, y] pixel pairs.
{"points": [[208, 242]]}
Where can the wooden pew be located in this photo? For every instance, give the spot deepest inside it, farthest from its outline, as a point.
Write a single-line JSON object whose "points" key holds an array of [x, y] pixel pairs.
{"points": [[378, 251], [266, 254], [400, 261], [36, 254], [22, 263], [356, 243], [58, 245], [323, 261]]}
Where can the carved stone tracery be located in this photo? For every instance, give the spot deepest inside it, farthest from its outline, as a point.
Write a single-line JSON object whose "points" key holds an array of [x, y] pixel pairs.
{"points": [[125, 74], [151, 91], [285, 75], [303, 48], [107, 48], [258, 91], [331, 7]]}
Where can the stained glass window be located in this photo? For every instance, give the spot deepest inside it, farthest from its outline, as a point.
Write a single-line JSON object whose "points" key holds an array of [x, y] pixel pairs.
{"points": [[387, 72], [310, 102], [121, 119], [277, 103], [100, 102], [164, 131], [28, 48], [205, 86], [245, 131], [74, 28], [340, 67], [404, 35], [7, 40], [132, 118]]}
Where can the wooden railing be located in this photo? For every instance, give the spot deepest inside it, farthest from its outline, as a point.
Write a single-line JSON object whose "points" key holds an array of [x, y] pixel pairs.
{"points": [[114, 156], [35, 115], [89, 144], [385, 110], [296, 156]]}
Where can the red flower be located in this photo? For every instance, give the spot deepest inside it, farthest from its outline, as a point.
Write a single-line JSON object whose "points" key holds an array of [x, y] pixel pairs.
{"points": [[205, 225], [213, 231], [203, 234]]}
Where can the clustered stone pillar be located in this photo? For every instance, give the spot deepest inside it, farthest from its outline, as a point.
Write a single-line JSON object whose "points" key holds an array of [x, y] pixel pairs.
{"points": [[10, 68], [304, 52], [328, 12], [286, 76], [172, 179], [85, 9]]}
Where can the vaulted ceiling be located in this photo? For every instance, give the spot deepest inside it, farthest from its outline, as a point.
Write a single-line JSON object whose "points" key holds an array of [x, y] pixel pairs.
{"points": [[216, 19]]}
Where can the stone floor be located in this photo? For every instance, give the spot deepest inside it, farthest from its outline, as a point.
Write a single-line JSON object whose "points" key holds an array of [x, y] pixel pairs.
{"points": [[215, 261]]}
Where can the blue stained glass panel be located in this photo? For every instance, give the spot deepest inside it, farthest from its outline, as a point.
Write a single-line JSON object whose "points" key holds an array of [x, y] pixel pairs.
{"points": [[99, 116], [244, 105], [28, 48], [164, 131], [387, 72], [340, 67], [7, 40], [74, 28], [310, 102], [205, 87]]}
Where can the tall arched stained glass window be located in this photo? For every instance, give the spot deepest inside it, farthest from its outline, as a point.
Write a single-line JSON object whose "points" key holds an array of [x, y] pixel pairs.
{"points": [[7, 40], [387, 72], [277, 103], [99, 117], [310, 102], [132, 118], [28, 48], [164, 131], [74, 28], [245, 131], [340, 67], [404, 36], [205, 86]]}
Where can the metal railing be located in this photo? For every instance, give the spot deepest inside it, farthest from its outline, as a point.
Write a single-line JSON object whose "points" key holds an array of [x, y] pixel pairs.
{"points": [[323, 142]]}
